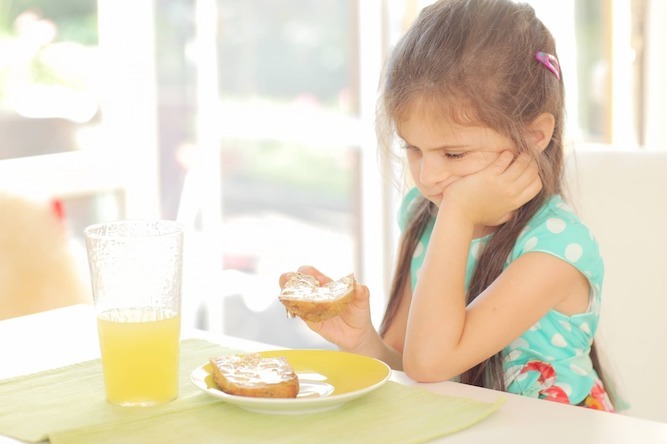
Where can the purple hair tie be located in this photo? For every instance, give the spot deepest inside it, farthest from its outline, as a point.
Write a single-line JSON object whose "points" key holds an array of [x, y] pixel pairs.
{"points": [[550, 61]]}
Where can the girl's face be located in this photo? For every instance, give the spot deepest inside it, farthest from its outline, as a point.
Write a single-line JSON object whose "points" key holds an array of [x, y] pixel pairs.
{"points": [[440, 152]]}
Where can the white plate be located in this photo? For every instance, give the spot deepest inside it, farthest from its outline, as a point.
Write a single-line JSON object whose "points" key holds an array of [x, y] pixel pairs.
{"points": [[327, 380]]}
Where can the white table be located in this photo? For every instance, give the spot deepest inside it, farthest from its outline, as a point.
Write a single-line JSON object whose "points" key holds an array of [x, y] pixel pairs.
{"points": [[63, 336]]}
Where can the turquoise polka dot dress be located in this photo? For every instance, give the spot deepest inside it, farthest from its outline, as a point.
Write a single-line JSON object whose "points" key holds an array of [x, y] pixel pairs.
{"points": [[551, 360]]}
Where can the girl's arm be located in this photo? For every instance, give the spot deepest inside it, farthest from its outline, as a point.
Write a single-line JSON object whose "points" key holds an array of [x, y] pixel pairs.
{"points": [[443, 336]]}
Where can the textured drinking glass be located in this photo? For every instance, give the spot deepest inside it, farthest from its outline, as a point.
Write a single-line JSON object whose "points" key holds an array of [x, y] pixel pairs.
{"points": [[136, 270]]}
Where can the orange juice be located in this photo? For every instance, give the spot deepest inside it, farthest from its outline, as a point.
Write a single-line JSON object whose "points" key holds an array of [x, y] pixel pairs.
{"points": [[140, 352]]}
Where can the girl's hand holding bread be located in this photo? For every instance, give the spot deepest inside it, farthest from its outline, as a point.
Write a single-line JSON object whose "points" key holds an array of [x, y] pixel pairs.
{"points": [[346, 321]]}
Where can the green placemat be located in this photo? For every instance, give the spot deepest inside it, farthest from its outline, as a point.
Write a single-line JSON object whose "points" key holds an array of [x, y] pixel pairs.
{"points": [[32, 407], [67, 405]]}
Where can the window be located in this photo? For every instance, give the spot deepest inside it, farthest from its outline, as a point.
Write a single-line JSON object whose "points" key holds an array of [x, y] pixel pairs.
{"points": [[252, 122], [275, 150], [72, 91]]}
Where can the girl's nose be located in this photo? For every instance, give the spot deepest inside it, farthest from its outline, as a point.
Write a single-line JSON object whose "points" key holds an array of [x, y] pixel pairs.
{"points": [[430, 174]]}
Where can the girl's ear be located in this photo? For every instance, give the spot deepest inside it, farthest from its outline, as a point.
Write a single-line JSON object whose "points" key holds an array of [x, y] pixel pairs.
{"points": [[541, 129]]}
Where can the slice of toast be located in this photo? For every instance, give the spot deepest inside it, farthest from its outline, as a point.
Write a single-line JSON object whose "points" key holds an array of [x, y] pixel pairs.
{"points": [[303, 296], [249, 374]]}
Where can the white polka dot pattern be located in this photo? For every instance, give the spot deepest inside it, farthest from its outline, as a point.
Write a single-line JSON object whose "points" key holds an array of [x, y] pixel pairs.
{"points": [[556, 225], [566, 388], [531, 243], [558, 340], [573, 252], [419, 250]]}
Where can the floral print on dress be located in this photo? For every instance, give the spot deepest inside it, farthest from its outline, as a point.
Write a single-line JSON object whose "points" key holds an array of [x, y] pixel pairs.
{"points": [[549, 389], [598, 399], [546, 380]]}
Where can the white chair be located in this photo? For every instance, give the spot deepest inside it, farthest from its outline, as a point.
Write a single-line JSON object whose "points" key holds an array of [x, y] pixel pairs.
{"points": [[622, 196], [40, 264]]}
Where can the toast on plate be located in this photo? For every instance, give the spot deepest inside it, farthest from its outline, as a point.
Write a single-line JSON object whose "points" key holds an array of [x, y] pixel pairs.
{"points": [[249, 374]]}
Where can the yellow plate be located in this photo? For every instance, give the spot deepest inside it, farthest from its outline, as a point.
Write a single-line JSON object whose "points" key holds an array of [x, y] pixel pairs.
{"points": [[327, 380]]}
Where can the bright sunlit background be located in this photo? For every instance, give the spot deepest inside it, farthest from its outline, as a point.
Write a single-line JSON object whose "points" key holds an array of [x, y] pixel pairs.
{"points": [[251, 121]]}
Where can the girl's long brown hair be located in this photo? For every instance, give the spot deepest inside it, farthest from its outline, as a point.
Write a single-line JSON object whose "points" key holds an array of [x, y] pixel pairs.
{"points": [[473, 62]]}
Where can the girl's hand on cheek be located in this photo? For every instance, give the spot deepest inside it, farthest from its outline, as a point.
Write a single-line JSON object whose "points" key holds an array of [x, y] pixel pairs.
{"points": [[490, 196]]}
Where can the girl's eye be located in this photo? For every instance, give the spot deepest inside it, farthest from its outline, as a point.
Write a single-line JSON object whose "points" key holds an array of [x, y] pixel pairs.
{"points": [[453, 156], [411, 148]]}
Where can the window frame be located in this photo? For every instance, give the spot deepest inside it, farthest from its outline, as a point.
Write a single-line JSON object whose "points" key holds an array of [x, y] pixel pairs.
{"points": [[127, 161]]}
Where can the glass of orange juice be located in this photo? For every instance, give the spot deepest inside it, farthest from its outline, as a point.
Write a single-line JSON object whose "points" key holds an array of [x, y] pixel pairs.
{"points": [[136, 272]]}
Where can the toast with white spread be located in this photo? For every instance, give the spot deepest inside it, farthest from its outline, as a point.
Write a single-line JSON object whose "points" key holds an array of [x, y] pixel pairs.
{"points": [[303, 296], [249, 374]]}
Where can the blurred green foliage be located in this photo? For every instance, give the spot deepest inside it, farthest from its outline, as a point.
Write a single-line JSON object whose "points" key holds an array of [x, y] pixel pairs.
{"points": [[299, 166], [76, 20]]}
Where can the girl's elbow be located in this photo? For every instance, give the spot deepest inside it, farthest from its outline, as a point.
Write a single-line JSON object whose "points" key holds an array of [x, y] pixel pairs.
{"points": [[424, 370], [418, 376]]}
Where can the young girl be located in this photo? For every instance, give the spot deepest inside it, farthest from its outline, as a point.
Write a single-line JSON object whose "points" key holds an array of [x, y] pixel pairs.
{"points": [[497, 282]]}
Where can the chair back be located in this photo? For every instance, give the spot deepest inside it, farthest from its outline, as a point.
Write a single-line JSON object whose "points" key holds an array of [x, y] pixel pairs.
{"points": [[39, 267], [622, 196]]}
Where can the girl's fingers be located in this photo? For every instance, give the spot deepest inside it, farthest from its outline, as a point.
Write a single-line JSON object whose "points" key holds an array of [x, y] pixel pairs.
{"points": [[528, 175], [532, 189], [520, 165], [526, 187], [524, 178], [304, 269], [521, 181], [362, 294], [284, 278], [314, 272], [502, 162]]}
